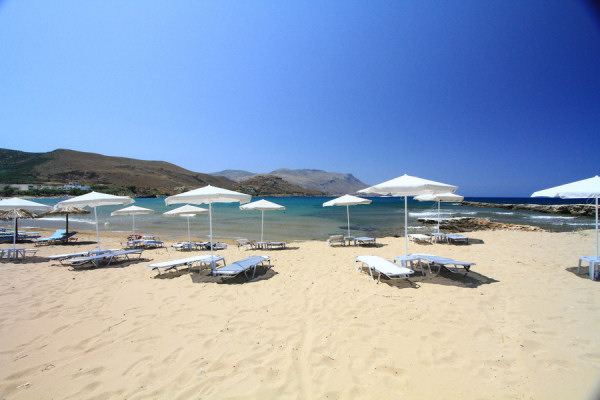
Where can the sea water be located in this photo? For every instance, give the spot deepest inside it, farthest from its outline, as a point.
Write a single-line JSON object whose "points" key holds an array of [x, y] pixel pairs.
{"points": [[305, 218]]}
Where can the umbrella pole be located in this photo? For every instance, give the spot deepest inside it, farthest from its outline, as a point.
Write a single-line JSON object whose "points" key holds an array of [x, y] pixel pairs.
{"points": [[133, 222], [67, 227], [348, 215], [262, 224], [212, 264], [15, 232], [189, 236], [439, 216], [596, 226], [405, 225], [97, 230]]}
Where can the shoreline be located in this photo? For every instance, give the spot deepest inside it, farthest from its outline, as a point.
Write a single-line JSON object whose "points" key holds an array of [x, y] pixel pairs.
{"points": [[305, 219]]}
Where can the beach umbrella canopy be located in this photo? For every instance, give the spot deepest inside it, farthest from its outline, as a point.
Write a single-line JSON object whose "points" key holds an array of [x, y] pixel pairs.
{"points": [[95, 199], [133, 211], [446, 197], [584, 189], [405, 186], [16, 206], [209, 195], [12, 214], [347, 200], [16, 203], [187, 211], [57, 210], [262, 205]]}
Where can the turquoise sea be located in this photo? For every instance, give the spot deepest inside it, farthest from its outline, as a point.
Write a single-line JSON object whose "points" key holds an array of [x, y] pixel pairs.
{"points": [[305, 218]]}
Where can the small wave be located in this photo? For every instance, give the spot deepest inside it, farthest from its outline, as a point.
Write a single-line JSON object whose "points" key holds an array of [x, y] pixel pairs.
{"points": [[417, 228], [82, 221], [549, 217], [505, 213], [423, 214]]}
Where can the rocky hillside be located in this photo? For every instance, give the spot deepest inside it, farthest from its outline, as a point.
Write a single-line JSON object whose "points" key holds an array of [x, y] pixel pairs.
{"points": [[321, 181], [235, 174], [90, 169], [140, 177]]}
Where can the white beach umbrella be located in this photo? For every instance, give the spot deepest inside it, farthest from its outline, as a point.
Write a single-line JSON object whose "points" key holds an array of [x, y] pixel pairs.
{"points": [[95, 199], [15, 204], [405, 186], [584, 189], [188, 212], [446, 197], [209, 195], [262, 205], [347, 200], [133, 211]]}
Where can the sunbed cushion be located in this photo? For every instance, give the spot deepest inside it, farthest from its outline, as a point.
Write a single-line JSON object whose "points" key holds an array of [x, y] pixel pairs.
{"points": [[384, 266]]}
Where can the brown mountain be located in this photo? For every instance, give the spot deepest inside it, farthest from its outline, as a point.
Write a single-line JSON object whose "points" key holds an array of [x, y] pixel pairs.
{"points": [[62, 166]]}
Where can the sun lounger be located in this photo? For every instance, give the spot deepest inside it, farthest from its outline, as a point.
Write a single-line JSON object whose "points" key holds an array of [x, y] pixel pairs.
{"points": [[146, 241], [60, 235], [419, 238], [336, 239], [63, 257], [594, 263], [411, 259], [13, 254], [103, 258], [60, 257], [383, 267], [153, 243], [365, 241], [438, 237], [21, 236], [242, 266], [269, 245], [248, 244], [134, 243], [185, 246], [272, 245], [189, 262], [456, 238], [448, 264], [215, 245]]}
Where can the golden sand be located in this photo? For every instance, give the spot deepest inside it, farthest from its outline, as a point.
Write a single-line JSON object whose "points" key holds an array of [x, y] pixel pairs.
{"points": [[521, 325]]}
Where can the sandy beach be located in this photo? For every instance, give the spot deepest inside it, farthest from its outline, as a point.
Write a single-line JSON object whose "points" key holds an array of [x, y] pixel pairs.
{"points": [[521, 325]]}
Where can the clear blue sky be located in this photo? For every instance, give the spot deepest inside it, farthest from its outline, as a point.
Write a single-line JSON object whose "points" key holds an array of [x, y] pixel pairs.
{"points": [[501, 98]]}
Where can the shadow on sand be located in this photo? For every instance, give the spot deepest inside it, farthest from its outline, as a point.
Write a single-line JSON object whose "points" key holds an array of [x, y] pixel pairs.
{"points": [[118, 263], [584, 273], [445, 278], [262, 273], [205, 276]]}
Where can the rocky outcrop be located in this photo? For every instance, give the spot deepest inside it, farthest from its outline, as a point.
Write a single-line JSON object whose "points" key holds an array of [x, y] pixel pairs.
{"points": [[270, 185], [580, 210], [468, 224]]}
